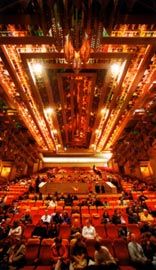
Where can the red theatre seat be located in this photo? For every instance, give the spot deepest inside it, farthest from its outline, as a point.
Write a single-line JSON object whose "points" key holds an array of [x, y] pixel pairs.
{"points": [[112, 231], [32, 250], [45, 252], [122, 254]]}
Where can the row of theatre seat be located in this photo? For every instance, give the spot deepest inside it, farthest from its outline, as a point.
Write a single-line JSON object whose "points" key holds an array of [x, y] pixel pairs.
{"points": [[38, 253], [109, 231], [92, 213]]}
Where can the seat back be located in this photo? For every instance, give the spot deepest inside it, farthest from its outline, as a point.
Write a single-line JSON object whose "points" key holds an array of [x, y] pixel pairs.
{"points": [[90, 243], [64, 231], [121, 251], [108, 244], [32, 250], [112, 231], [45, 251], [100, 229]]}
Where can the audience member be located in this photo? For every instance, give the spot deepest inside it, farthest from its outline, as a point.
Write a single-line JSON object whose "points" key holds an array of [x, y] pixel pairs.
{"points": [[27, 218], [145, 216], [46, 218], [16, 254], [88, 231], [137, 255], [103, 257], [16, 230], [59, 254]]}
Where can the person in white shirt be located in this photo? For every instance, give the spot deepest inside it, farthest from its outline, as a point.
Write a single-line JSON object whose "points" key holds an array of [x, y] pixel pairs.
{"points": [[52, 203], [46, 218], [138, 258], [88, 231]]}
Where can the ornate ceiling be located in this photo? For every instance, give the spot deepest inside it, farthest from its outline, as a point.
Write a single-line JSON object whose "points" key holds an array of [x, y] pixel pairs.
{"points": [[77, 72]]}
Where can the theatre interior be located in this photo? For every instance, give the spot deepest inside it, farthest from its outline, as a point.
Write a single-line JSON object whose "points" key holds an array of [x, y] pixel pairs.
{"points": [[77, 134]]}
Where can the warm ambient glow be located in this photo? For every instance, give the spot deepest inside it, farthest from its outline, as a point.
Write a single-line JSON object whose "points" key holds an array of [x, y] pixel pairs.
{"points": [[107, 155], [105, 112], [37, 68], [74, 160], [48, 110], [115, 69]]}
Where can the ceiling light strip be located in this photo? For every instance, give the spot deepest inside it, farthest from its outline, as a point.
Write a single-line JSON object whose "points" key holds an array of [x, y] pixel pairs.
{"points": [[74, 160]]}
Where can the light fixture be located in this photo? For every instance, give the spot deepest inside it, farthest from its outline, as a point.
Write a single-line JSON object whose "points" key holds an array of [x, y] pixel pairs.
{"points": [[37, 68], [54, 131], [75, 160], [105, 112], [115, 69], [48, 111]]}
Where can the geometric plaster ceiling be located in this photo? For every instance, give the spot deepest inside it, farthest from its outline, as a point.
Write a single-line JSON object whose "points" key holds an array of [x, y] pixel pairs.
{"points": [[57, 72]]}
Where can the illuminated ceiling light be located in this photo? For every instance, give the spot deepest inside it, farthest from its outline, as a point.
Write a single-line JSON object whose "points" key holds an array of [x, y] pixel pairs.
{"points": [[97, 131], [54, 131], [115, 69], [48, 110], [107, 155], [76, 160], [141, 110], [105, 112], [37, 68], [93, 146]]}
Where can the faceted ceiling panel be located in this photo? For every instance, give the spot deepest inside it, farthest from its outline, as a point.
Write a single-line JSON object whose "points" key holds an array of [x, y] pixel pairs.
{"points": [[76, 83]]}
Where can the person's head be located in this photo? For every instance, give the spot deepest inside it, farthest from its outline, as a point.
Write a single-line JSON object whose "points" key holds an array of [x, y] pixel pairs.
{"points": [[145, 211], [97, 246], [78, 236], [58, 241], [133, 237], [46, 212], [88, 224], [16, 224]]}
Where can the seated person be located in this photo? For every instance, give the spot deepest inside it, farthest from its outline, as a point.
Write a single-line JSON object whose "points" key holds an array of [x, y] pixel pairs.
{"points": [[46, 218], [52, 231], [77, 243], [88, 231], [105, 218], [102, 256], [16, 230], [52, 203], [59, 254], [138, 258], [75, 228], [123, 232], [66, 218], [78, 252], [142, 197], [27, 219], [16, 254], [116, 217], [40, 230], [133, 218], [145, 216], [149, 247], [57, 217]]}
